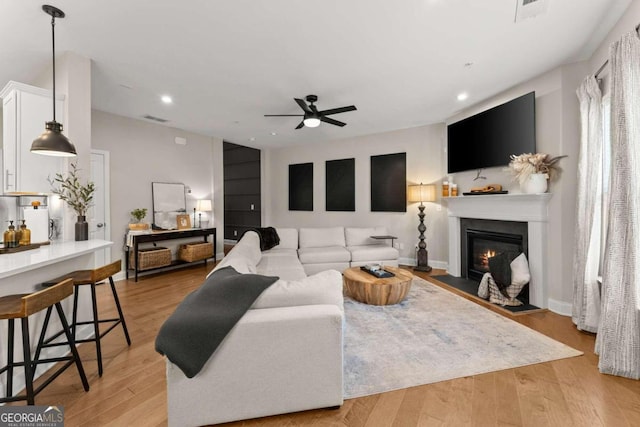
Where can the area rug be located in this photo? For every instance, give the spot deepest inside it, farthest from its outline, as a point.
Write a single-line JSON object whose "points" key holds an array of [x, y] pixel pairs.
{"points": [[434, 335]]}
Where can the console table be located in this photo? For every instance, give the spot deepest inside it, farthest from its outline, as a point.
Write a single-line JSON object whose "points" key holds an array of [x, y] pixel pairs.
{"points": [[156, 236]]}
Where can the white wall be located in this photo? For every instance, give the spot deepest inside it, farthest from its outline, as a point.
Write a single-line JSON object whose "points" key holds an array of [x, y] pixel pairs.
{"points": [[142, 153], [424, 164]]}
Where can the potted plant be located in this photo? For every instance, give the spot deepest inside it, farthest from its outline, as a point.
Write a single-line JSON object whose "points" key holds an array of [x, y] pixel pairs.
{"points": [[533, 170], [137, 215], [78, 196]]}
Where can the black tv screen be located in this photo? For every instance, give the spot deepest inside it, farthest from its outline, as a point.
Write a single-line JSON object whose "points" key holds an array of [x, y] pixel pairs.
{"points": [[489, 138]]}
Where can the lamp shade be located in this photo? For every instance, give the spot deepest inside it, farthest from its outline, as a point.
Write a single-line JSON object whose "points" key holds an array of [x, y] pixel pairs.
{"points": [[203, 205], [53, 143], [422, 193]]}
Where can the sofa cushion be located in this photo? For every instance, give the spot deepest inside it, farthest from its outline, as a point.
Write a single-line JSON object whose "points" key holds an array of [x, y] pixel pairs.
{"points": [[372, 252], [288, 238], [283, 263], [321, 237], [324, 254], [311, 269], [322, 288], [360, 236]]}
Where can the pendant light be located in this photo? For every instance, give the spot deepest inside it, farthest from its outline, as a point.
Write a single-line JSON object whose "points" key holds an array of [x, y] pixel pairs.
{"points": [[52, 142]]}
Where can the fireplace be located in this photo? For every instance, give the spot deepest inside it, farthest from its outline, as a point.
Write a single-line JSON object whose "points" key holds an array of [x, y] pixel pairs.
{"points": [[482, 245], [480, 239], [527, 212]]}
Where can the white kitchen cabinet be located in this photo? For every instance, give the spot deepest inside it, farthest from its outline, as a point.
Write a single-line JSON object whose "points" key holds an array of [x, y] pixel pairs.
{"points": [[25, 110]]}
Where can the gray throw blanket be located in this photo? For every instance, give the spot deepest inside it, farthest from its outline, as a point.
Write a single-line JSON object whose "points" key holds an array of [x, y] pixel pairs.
{"points": [[203, 319], [268, 237]]}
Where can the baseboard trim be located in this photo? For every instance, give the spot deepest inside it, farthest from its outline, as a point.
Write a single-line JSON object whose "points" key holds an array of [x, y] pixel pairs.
{"points": [[560, 307], [433, 263]]}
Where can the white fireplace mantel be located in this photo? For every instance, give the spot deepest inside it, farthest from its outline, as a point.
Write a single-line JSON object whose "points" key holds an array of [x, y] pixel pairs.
{"points": [[529, 208]]}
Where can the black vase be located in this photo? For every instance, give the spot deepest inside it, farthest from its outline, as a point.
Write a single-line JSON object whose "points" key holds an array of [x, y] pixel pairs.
{"points": [[82, 228]]}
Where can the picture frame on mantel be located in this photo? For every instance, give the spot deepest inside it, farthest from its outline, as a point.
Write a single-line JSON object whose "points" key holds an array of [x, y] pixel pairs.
{"points": [[183, 221]]}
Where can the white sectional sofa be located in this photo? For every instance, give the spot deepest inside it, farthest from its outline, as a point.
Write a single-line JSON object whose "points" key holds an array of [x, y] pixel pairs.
{"points": [[339, 248], [284, 355]]}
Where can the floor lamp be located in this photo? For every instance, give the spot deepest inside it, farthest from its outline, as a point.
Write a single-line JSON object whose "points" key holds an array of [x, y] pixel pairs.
{"points": [[422, 193]]}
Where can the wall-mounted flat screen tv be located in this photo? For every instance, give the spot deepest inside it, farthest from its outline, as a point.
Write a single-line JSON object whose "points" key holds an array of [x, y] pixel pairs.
{"points": [[489, 138]]}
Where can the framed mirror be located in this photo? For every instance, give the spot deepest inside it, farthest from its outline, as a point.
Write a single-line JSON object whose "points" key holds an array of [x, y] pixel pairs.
{"points": [[169, 201]]}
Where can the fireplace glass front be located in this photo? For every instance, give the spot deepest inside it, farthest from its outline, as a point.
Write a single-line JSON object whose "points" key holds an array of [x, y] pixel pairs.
{"points": [[482, 245]]}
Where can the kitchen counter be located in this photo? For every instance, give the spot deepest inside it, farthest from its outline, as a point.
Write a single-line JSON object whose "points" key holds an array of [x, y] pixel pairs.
{"points": [[20, 262], [23, 272]]}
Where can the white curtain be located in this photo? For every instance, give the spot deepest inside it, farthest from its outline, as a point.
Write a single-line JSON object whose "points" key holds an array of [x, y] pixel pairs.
{"points": [[586, 292], [618, 339]]}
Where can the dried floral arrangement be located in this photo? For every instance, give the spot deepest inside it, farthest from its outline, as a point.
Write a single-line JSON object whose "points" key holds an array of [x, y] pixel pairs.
{"points": [[524, 165]]}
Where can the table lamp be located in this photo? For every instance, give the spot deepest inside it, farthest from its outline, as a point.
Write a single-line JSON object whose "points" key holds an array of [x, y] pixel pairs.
{"points": [[203, 206]]}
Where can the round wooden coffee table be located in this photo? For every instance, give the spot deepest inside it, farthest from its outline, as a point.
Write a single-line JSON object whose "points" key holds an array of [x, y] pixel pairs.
{"points": [[368, 289]]}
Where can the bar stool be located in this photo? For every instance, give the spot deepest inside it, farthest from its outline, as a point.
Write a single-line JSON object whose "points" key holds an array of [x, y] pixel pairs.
{"points": [[22, 306], [92, 278]]}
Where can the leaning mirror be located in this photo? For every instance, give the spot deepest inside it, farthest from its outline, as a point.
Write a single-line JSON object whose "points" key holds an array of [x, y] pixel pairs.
{"points": [[169, 201]]}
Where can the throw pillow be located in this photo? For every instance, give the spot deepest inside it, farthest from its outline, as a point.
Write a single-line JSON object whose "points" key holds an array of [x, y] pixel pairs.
{"points": [[520, 274], [500, 268]]}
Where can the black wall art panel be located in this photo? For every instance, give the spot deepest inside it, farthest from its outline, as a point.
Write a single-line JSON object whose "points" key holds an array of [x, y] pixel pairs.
{"points": [[389, 183], [301, 187], [341, 185]]}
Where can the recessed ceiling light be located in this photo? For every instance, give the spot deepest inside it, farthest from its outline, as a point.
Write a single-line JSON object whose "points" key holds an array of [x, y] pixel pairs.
{"points": [[463, 96], [273, 134], [166, 99], [252, 139]]}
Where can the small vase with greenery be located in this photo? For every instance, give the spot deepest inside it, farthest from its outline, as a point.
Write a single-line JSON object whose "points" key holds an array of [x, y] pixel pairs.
{"points": [[78, 196], [138, 215]]}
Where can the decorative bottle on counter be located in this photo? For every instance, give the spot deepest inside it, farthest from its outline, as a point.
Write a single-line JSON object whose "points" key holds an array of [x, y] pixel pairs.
{"points": [[454, 190], [10, 236], [25, 234], [445, 189]]}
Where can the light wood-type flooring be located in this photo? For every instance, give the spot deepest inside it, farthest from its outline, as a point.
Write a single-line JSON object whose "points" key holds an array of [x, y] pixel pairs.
{"points": [[131, 392]]}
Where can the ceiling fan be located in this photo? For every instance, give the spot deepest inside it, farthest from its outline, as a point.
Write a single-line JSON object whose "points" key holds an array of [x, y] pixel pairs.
{"points": [[312, 117]]}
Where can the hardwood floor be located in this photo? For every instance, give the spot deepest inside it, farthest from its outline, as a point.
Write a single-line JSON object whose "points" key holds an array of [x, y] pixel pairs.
{"points": [[131, 392]]}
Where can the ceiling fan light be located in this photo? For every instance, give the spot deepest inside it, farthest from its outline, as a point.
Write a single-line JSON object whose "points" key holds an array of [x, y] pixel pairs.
{"points": [[53, 143], [312, 122]]}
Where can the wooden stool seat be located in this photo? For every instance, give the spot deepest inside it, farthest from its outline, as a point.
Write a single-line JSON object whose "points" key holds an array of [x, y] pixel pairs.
{"points": [[21, 306], [88, 277], [93, 277], [11, 306]]}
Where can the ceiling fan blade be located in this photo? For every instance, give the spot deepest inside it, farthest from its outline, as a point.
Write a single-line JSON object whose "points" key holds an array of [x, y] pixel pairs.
{"points": [[303, 105], [314, 109], [338, 110], [284, 115], [331, 121], [301, 125]]}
